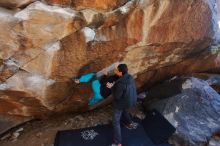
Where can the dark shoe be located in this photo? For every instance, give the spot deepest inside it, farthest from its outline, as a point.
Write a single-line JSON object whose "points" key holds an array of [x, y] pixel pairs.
{"points": [[115, 144]]}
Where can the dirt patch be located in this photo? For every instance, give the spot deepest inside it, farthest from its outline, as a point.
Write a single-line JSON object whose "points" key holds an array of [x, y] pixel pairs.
{"points": [[43, 132]]}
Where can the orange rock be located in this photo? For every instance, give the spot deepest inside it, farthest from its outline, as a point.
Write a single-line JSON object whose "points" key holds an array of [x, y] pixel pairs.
{"points": [[122, 26], [41, 24], [20, 103], [93, 4], [70, 58], [191, 21], [98, 4], [49, 44], [8, 39], [198, 63], [60, 2], [15, 3]]}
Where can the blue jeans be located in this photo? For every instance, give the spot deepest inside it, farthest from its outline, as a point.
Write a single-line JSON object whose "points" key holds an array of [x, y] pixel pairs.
{"points": [[118, 116]]}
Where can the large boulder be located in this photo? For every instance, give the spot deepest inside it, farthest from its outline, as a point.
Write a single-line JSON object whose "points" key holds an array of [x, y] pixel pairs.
{"points": [[41, 24], [15, 3], [212, 79], [46, 45], [8, 38], [7, 122], [29, 44], [215, 140], [195, 112], [105, 5]]}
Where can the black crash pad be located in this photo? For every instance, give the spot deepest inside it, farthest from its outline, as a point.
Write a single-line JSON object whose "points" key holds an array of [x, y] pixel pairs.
{"points": [[154, 130]]}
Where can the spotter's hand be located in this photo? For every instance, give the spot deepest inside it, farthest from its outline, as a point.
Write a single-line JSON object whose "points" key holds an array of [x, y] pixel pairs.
{"points": [[109, 85]]}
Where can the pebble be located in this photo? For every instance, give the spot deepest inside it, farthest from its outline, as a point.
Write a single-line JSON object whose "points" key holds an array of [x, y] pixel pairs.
{"points": [[38, 134], [19, 130], [16, 134], [79, 118], [6, 136]]}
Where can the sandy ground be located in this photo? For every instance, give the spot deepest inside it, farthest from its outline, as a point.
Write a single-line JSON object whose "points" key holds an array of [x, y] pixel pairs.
{"points": [[43, 132]]}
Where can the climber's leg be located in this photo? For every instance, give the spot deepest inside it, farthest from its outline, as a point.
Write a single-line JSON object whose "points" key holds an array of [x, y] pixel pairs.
{"points": [[96, 90]]}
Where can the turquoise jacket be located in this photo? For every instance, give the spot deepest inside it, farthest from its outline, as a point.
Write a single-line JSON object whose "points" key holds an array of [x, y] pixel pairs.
{"points": [[86, 78]]}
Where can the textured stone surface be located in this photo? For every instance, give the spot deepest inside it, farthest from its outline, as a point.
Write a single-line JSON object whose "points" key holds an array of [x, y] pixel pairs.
{"points": [[92, 4], [43, 132], [43, 46], [42, 24], [215, 140], [212, 79], [15, 3], [195, 112], [8, 39], [8, 122]]}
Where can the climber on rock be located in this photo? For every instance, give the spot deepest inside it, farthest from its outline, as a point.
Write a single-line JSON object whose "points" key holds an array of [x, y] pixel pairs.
{"points": [[100, 87]]}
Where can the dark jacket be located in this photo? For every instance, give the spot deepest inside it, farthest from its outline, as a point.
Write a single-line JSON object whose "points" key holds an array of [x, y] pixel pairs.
{"points": [[104, 90], [124, 92]]}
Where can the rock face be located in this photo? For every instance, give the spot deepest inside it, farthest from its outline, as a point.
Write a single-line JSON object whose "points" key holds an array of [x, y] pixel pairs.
{"points": [[47, 42], [6, 122], [212, 79], [7, 37], [91, 4], [15, 3], [41, 24], [215, 140], [195, 112]]}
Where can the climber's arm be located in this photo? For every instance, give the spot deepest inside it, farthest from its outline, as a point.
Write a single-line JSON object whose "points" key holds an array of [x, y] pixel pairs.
{"points": [[85, 78]]}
